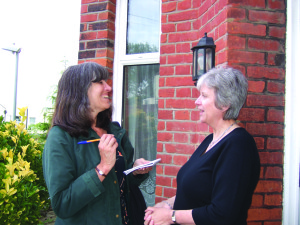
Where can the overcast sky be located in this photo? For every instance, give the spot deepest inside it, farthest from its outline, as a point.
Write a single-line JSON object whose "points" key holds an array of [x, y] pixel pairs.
{"points": [[47, 33]]}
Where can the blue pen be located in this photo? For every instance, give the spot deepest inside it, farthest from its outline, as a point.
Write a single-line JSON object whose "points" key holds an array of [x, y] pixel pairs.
{"points": [[88, 141]]}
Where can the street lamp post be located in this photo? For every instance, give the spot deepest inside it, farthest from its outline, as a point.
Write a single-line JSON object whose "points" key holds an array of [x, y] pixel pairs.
{"points": [[14, 50]]}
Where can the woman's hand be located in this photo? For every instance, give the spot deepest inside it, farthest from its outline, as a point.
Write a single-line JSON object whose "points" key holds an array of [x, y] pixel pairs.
{"points": [[148, 213], [158, 216], [139, 162], [107, 149], [148, 218]]}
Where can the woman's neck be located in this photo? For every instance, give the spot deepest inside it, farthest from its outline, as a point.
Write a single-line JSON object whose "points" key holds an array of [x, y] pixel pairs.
{"points": [[99, 130], [221, 132], [224, 126]]}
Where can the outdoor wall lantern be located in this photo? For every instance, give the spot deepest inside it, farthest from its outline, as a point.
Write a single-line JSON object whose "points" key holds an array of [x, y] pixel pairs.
{"points": [[203, 57]]}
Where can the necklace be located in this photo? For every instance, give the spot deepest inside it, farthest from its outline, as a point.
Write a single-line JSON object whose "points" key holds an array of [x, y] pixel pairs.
{"points": [[212, 143]]}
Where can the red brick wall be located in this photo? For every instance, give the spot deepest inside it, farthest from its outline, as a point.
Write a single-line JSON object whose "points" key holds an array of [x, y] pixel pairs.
{"points": [[250, 36], [97, 32]]}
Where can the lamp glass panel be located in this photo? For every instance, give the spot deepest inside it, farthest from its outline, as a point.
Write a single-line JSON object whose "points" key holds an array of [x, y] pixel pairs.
{"points": [[200, 62], [195, 55], [208, 59]]}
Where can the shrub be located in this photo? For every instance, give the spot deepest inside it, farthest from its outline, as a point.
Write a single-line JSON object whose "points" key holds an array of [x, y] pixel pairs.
{"points": [[40, 130], [23, 193]]}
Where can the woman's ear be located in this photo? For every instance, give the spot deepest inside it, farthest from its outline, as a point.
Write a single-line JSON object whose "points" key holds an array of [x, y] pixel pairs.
{"points": [[225, 108]]}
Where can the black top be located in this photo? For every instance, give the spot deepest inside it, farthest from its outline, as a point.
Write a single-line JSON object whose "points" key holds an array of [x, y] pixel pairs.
{"points": [[119, 168], [219, 184]]}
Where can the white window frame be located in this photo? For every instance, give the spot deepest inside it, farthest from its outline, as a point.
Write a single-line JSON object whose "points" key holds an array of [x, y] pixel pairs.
{"points": [[121, 59], [291, 202]]}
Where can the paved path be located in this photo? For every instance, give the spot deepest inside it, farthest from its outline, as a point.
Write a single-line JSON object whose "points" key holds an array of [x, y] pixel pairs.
{"points": [[49, 219]]}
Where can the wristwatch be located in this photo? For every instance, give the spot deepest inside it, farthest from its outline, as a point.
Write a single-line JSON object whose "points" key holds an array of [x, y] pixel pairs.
{"points": [[173, 217], [100, 172]]}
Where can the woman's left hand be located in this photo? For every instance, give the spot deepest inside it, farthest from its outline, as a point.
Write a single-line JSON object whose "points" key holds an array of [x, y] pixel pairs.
{"points": [[139, 162]]}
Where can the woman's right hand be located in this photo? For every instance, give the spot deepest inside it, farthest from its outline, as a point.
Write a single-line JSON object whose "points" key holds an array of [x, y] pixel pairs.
{"points": [[148, 218], [107, 149]]}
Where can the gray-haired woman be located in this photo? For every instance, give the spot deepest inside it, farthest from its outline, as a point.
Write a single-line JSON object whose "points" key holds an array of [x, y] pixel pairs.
{"points": [[216, 185]]}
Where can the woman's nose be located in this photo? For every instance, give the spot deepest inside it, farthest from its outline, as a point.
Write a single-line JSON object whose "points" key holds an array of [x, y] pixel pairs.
{"points": [[107, 87], [198, 102]]}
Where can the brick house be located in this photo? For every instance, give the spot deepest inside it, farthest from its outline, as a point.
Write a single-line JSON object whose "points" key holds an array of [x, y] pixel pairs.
{"points": [[257, 37]]}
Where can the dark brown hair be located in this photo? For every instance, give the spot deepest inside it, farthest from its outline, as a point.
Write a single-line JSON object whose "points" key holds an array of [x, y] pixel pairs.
{"points": [[72, 108]]}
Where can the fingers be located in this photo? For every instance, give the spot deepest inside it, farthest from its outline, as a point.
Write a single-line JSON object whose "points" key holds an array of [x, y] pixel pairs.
{"points": [[150, 209], [149, 222], [140, 161], [145, 170], [109, 140], [107, 149], [142, 171], [147, 218], [108, 143]]}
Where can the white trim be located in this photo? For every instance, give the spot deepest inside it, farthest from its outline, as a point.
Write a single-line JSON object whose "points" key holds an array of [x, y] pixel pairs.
{"points": [[145, 58], [290, 214], [121, 17], [121, 59]]}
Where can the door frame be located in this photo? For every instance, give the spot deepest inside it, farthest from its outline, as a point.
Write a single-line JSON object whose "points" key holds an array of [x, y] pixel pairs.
{"points": [[292, 120], [121, 59]]}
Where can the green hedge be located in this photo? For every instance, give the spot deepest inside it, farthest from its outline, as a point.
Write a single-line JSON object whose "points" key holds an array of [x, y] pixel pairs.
{"points": [[23, 194]]}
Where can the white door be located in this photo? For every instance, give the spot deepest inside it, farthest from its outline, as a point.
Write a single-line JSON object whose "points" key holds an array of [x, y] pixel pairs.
{"points": [[135, 78]]}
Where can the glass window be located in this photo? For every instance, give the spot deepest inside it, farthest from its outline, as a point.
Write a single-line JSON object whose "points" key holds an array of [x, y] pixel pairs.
{"points": [[31, 120], [143, 26], [140, 107], [135, 79]]}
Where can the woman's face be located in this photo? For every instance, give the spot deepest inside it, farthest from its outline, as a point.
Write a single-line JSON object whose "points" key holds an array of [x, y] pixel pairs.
{"points": [[99, 96], [206, 104]]}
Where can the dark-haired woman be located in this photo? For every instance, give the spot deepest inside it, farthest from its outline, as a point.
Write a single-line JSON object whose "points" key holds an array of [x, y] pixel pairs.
{"points": [[86, 182]]}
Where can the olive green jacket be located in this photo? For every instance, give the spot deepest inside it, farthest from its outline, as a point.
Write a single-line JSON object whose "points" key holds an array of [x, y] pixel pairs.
{"points": [[77, 195]]}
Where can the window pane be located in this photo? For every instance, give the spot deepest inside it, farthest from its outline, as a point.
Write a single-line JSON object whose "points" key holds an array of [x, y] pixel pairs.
{"points": [[143, 26], [140, 106]]}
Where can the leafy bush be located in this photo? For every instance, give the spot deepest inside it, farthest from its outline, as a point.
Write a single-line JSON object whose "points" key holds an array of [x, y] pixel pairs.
{"points": [[40, 130], [23, 193]]}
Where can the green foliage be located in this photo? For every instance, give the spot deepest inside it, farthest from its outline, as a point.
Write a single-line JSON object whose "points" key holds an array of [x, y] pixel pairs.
{"points": [[23, 193], [39, 131], [135, 48]]}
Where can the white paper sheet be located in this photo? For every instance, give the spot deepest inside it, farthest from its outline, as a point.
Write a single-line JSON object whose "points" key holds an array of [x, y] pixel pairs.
{"points": [[152, 163]]}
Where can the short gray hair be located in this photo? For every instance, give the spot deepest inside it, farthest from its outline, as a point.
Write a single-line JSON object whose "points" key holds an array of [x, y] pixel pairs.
{"points": [[230, 87]]}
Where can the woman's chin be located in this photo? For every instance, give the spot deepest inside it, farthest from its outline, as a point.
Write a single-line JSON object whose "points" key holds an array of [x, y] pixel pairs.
{"points": [[202, 120]]}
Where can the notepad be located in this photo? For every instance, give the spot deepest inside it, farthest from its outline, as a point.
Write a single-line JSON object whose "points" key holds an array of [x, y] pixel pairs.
{"points": [[152, 163]]}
